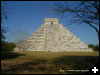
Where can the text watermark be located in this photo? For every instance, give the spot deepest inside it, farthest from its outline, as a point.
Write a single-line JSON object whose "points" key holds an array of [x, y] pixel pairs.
{"points": [[61, 70]]}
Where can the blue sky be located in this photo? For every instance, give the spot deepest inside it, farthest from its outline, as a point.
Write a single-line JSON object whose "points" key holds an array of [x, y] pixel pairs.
{"points": [[29, 16]]}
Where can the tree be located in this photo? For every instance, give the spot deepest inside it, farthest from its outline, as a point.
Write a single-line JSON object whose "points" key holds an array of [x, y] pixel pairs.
{"points": [[85, 12], [3, 11], [91, 46], [23, 45], [9, 46], [2, 34], [3, 31], [94, 47], [3, 16], [19, 37]]}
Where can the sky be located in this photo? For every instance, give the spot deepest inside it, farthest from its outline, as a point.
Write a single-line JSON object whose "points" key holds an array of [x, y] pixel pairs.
{"points": [[29, 16]]}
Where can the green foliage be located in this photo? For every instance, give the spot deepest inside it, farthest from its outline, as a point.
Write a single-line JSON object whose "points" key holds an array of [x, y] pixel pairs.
{"points": [[10, 46], [6, 48], [91, 46], [94, 47]]}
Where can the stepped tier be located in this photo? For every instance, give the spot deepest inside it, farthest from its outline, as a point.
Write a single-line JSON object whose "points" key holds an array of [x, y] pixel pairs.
{"points": [[54, 37]]}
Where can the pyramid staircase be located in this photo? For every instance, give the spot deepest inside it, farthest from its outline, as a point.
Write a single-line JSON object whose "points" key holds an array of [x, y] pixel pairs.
{"points": [[53, 37]]}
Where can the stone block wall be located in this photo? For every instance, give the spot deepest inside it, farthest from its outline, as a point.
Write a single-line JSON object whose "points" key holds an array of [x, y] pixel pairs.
{"points": [[54, 37]]}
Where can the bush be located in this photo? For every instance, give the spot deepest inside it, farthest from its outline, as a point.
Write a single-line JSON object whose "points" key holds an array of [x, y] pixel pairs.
{"points": [[8, 46], [91, 46], [6, 49], [94, 47]]}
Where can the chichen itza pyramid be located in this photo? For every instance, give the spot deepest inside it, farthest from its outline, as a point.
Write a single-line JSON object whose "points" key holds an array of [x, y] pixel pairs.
{"points": [[53, 37]]}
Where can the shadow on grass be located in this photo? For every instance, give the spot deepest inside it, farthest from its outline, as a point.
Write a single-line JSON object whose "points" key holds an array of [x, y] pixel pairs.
{"points": [[9, 55], [75, 62], [26, 68], [65, 63]]}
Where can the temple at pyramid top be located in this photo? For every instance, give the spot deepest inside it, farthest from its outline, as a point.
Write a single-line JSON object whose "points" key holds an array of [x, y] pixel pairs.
{"points": [[52, 37], [51, 21]]}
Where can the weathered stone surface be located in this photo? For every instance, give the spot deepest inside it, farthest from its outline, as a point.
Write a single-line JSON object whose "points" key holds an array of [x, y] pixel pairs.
{"points": [[54, 37]]}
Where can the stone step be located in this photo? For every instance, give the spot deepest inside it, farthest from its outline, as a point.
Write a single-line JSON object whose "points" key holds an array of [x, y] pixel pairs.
{"points": [[52, 36]]}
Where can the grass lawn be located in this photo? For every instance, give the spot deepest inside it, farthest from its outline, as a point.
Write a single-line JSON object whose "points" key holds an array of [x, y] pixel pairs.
{"points": [[48, 62]]}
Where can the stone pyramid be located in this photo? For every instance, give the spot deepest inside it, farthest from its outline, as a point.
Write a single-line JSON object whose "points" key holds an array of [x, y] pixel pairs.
{"points": [[53, 37]]}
